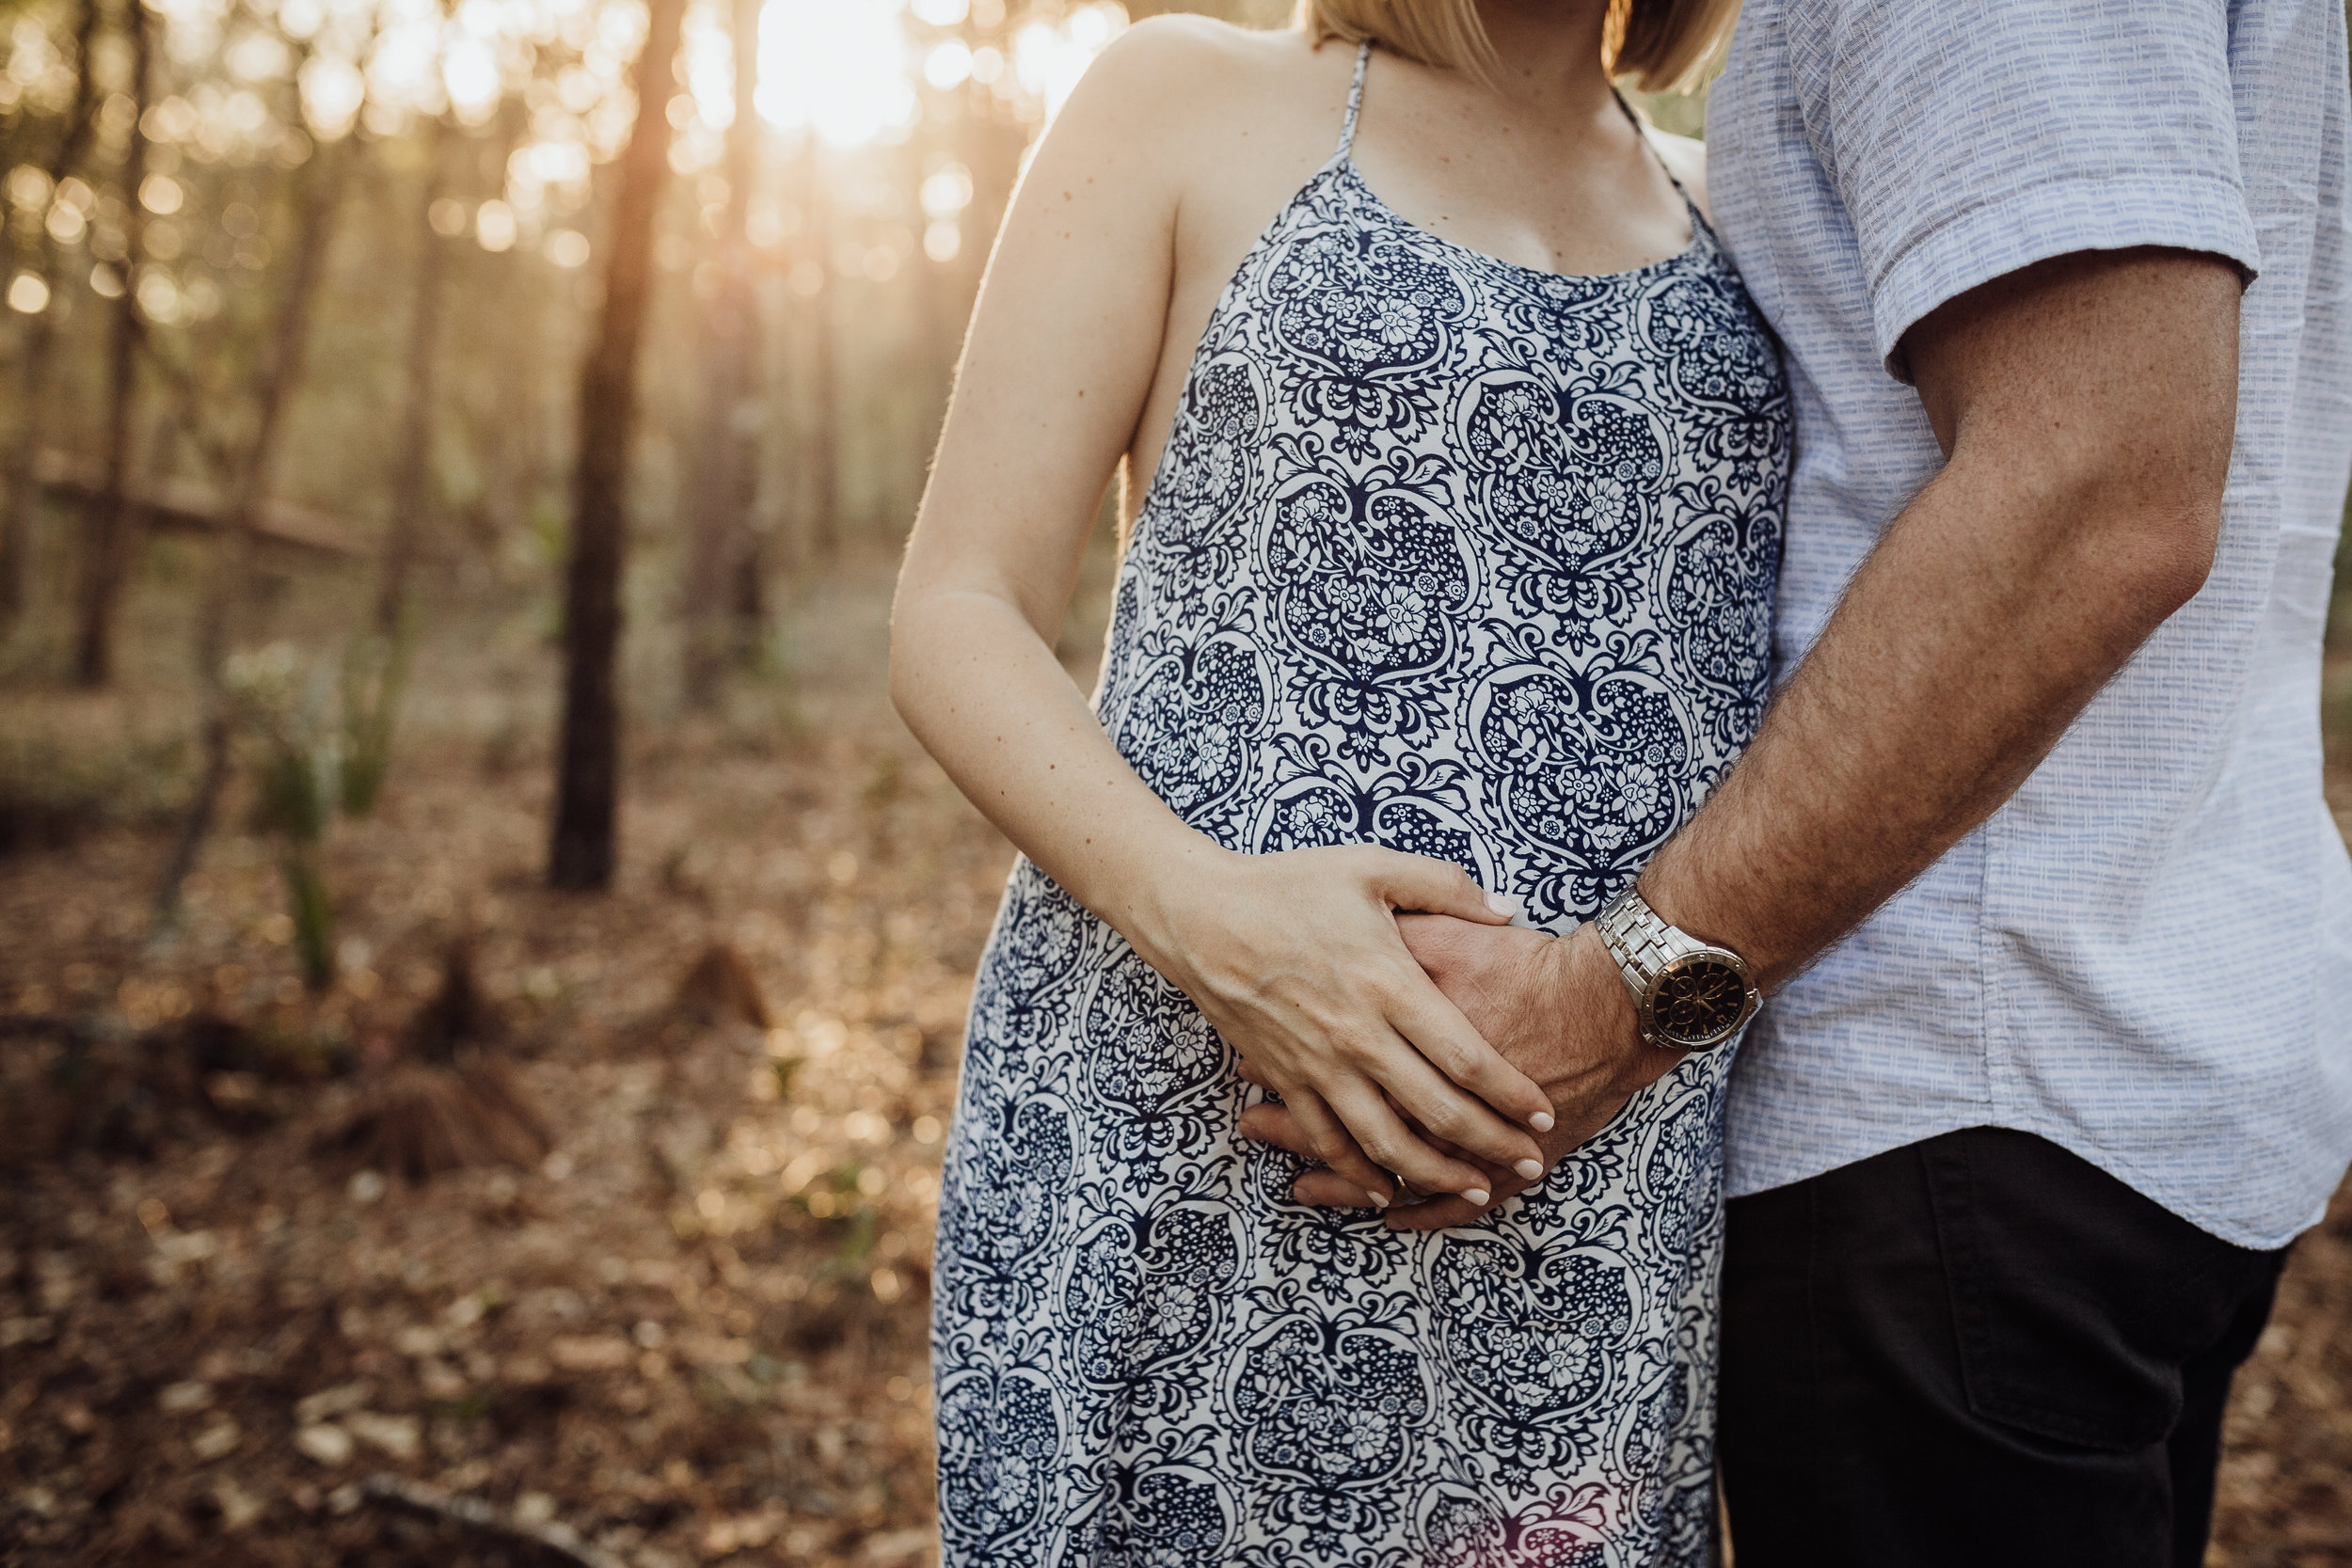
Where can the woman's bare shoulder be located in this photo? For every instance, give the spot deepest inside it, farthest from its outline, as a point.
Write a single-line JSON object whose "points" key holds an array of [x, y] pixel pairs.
{"points": [[1180, 69], [1186, 45], [1180, 93]]}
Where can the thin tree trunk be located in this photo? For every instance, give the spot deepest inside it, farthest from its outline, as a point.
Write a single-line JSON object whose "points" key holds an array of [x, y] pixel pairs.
{"points": [[107, 543], [728, 475], [412, 481], [748, 600], [279, 369], [22, 499], [824, 477], [587, 792]]}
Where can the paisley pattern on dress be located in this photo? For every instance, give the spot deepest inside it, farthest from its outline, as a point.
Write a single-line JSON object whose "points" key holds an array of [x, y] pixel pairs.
{"points": [[1467, 559]]}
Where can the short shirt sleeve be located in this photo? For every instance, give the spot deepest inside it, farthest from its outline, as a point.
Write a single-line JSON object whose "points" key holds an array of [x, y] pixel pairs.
{"points": [[1966, 141]]}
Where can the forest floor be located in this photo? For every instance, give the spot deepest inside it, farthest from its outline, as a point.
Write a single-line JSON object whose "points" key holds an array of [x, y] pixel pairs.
{"points": [[693, 1329]]}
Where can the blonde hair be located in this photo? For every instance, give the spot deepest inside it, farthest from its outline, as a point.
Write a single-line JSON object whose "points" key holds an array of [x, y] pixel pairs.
{"points": [[1656, 46]]}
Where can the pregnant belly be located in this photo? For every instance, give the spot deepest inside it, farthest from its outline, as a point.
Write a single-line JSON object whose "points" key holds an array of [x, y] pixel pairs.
{"points": [[1543, 780]]}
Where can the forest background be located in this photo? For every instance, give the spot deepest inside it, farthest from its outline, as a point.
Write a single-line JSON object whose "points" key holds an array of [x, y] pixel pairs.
{"points": [[480, 968]]}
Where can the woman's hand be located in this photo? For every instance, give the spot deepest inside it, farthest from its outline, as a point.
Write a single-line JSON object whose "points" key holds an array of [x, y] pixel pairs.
{"points": [[1554, 1009], [1297, 961]]}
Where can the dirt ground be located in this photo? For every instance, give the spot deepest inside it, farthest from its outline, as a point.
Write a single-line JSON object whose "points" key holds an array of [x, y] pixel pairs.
{"points": [[691, 1332]]}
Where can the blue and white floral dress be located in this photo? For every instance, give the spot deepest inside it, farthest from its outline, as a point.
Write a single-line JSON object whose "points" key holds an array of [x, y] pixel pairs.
{"points": [[1468, 560]]}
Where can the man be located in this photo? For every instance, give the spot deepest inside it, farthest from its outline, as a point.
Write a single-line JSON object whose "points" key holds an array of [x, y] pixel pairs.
{"points": [[2063, 295]]}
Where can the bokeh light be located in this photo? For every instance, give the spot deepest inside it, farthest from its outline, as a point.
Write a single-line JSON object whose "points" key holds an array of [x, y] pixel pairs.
{"points": [[841, 67], [1049, 57]]}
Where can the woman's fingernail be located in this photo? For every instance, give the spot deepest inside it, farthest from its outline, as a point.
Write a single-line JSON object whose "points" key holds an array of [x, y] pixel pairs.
{"points": [[1530, 1168], [1379, 1200], [1540, 1121], [1476, 1194], [1503, 905]]}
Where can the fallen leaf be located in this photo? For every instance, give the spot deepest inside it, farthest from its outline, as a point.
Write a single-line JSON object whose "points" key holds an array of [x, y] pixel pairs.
{"points": [[239, 1508], [397, 1436], [216, 1440], [25, 1331], [590, 1353], [440, 1380], [328, 1445], [897, 1545], [179, 1397], [417, 1340], [317, 1407]]}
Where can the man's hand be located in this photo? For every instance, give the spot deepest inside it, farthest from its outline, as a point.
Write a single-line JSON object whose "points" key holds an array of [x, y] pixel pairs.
{"points": [[1556, 1009]]}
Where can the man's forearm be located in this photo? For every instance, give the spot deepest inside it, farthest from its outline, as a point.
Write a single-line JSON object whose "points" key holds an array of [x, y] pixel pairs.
{"points": [[2067, 525]]}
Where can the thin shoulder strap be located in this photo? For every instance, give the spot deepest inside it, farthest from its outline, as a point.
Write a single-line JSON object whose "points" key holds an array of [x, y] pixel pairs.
{"points": [[1355, 100], [1640, 133]]}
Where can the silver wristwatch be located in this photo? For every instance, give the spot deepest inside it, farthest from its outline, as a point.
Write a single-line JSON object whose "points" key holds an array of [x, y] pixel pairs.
{"points": [[1692, 995]]}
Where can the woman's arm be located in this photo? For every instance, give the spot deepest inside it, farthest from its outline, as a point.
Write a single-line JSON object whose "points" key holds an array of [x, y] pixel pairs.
{"points": [[1294, 958]]}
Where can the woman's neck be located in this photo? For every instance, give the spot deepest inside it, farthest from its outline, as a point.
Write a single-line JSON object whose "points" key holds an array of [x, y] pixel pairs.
{"points": [[1547, 52]]}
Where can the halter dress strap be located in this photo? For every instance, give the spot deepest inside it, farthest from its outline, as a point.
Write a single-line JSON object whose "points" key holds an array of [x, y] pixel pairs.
{"points": [[1641, 133], [1355, 100]]}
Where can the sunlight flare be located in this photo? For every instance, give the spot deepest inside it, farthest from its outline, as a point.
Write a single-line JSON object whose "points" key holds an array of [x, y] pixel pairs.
{"points": [[844, 69]]}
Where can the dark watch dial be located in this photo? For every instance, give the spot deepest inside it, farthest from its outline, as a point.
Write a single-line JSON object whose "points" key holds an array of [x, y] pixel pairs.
{"points": [[1698, 1000]]}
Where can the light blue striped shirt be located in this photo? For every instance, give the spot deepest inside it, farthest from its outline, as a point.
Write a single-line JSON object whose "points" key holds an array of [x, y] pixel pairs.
{"points": [[2146, 956]]}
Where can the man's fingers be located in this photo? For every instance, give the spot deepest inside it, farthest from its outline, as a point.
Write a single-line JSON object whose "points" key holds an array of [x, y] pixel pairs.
{"points": [[1331, 1141], [1326, 1189], [1252, 1073], [1436, 1215], [1446, 1039], [1439, 887], [1443, 1209], [1388, 1146], [1274, 1124], [1454, 1115], [1323, 1187]]}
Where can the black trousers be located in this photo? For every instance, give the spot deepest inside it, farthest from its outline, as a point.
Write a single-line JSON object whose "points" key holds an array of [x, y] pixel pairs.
{"points": [[1978, 1350]]}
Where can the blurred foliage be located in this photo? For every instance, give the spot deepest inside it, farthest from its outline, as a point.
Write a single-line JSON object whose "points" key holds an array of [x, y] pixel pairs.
{"points": [[283, 708], [374, 677]]}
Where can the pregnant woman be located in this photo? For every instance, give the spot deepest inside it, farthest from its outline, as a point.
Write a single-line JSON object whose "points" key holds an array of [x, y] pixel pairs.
{"points": [[1448, 592]]}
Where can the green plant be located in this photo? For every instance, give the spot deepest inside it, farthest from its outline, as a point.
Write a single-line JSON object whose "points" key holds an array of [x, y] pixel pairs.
{"points": [[374, 678], [284, 713], [313, 916]]}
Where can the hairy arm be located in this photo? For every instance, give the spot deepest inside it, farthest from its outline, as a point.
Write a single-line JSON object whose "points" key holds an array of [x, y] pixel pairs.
{"points": [[1297, 957], [2086, 406]]}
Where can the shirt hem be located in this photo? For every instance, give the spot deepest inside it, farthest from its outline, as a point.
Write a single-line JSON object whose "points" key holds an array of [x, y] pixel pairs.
{"points": [[2253, 1236]]}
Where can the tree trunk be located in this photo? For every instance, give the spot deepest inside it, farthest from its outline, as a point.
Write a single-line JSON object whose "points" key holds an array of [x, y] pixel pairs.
{"points": [[587, 791], [412, 482], [108, 542], [279, 368], [22, 499], [824, 477], [727, 480]]}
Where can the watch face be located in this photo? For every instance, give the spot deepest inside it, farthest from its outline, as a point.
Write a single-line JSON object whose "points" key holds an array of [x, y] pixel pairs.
{"points": [[1699, 1000]]}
